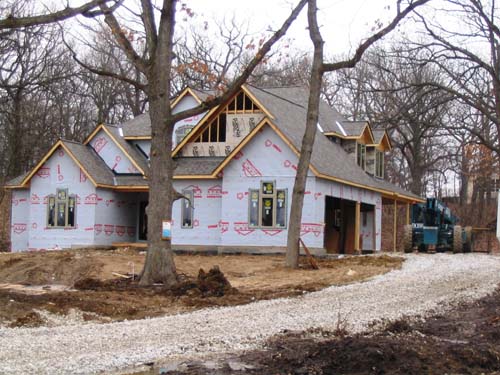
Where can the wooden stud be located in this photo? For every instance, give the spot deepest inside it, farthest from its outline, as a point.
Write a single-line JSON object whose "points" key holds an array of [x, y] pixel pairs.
{"points": [[407, 213], [357, 221], [395, 235]]}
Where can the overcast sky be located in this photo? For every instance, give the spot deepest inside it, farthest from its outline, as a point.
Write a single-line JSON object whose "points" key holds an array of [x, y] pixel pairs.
{"points": [[343, 22]]}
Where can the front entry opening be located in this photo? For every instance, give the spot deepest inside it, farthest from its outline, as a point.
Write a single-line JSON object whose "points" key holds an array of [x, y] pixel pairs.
{"points": [[339, 225]]}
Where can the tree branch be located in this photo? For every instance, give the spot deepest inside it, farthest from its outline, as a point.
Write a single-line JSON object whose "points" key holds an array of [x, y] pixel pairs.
{"points": [[350, 63], [12, 22]]}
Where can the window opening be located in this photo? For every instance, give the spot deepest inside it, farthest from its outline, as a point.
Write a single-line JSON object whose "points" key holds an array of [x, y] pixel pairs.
{"points": [[361, 155], [61, 210], [267, 206], [379, 164], [187, 209]]}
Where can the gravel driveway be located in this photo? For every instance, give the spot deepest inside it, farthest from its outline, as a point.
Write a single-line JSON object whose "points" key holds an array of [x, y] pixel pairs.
{"points": [[425, 283]]}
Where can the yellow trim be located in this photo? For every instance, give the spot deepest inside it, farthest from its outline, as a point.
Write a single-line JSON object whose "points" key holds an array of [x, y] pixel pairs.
{"points": [[255, 100], [10, 187], [195, 177], [240, 145], [395, 235], [367, 126], [137, 138], [336, 179], [357, 219], [215, 112], [194, 130], [356, 137], [105, 129], [49, 154], [40, 163], [92, 134], [387, 140], [131, 159]]}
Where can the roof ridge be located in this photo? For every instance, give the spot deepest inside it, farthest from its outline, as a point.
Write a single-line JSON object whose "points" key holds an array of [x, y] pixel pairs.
{"points": [[277, 96]]}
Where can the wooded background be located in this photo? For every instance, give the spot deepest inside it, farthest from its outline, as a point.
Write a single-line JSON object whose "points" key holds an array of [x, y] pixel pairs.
{"points": [[436, 91]]}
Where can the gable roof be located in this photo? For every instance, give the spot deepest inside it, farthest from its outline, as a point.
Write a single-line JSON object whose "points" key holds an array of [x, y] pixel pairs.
{"points": [[84, 156], [328, 159], [140, 126], [380, 137], [135, 157]]}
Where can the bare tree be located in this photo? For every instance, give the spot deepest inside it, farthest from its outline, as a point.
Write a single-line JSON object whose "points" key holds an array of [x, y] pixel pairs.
{"points": [[319, 67], [12, 15], [470, 57], [389, 89], [155, 63]]}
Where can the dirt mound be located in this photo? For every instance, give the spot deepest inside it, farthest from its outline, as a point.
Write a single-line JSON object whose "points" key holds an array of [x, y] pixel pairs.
{"points": [[32, 319], [54, 267], [213, 283]]}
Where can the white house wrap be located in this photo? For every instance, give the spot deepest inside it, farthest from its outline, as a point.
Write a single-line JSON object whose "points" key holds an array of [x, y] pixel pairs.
{"points": [[236, 164]]}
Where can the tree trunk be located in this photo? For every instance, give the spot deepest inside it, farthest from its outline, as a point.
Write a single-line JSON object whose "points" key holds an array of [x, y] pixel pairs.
{"points": [[159, 266], [292, 253]]}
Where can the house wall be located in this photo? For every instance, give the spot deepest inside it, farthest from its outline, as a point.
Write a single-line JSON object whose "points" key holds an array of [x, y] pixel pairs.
{"points": [[115, 217], [59, 172], [114, 158], [20, 220], [265, 157], [144, 144], [366, 231], [186, 103], [207, 202]]}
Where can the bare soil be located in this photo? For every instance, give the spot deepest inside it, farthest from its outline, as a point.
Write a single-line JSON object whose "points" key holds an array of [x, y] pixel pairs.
{"points": [[464, 341], [86, 281]]}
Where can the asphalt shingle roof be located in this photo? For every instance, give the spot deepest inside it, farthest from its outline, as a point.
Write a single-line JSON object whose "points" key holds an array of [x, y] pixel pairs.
{"points": [[139, 126], [196, 166], [91, 162], [137, 157], [328, 158]]}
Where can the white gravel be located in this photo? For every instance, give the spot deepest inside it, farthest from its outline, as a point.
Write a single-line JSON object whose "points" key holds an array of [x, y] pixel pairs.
{"points": [[425, 283]]}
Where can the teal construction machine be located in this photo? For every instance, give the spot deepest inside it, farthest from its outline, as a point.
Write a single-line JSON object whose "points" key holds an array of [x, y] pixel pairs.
{"points": [[434, 228]]}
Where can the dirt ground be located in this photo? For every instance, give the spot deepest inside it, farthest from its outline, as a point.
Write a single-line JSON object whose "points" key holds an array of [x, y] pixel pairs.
{"points": [[84, 283], [463, 341]]}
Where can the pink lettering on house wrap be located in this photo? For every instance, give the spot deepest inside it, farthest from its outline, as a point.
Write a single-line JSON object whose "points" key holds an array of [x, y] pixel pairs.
{"points": [[250, 170]]}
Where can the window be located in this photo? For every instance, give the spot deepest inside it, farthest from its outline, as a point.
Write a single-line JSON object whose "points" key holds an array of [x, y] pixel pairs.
{"points": [[361, 155], [187, 209], [61, 210], [379, 164], [181, 132], [267, 207]]}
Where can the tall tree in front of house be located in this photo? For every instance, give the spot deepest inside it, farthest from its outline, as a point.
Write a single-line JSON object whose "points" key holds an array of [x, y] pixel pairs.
{"points": [[155, 64], [319, 67]]}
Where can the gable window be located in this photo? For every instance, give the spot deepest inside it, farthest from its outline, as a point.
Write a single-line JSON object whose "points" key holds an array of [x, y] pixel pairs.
{"points": [[215, 132], [187, 209], [61, 210], [379, 164], [181, 132], [267, 206], [361, 155]]}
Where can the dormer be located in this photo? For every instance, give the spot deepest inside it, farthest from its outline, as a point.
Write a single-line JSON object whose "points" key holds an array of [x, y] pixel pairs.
{"points": [[353, 136], [375, 152]]}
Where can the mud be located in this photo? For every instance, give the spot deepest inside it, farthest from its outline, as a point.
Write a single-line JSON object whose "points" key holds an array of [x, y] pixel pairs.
{"points": [[464, 341]]}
